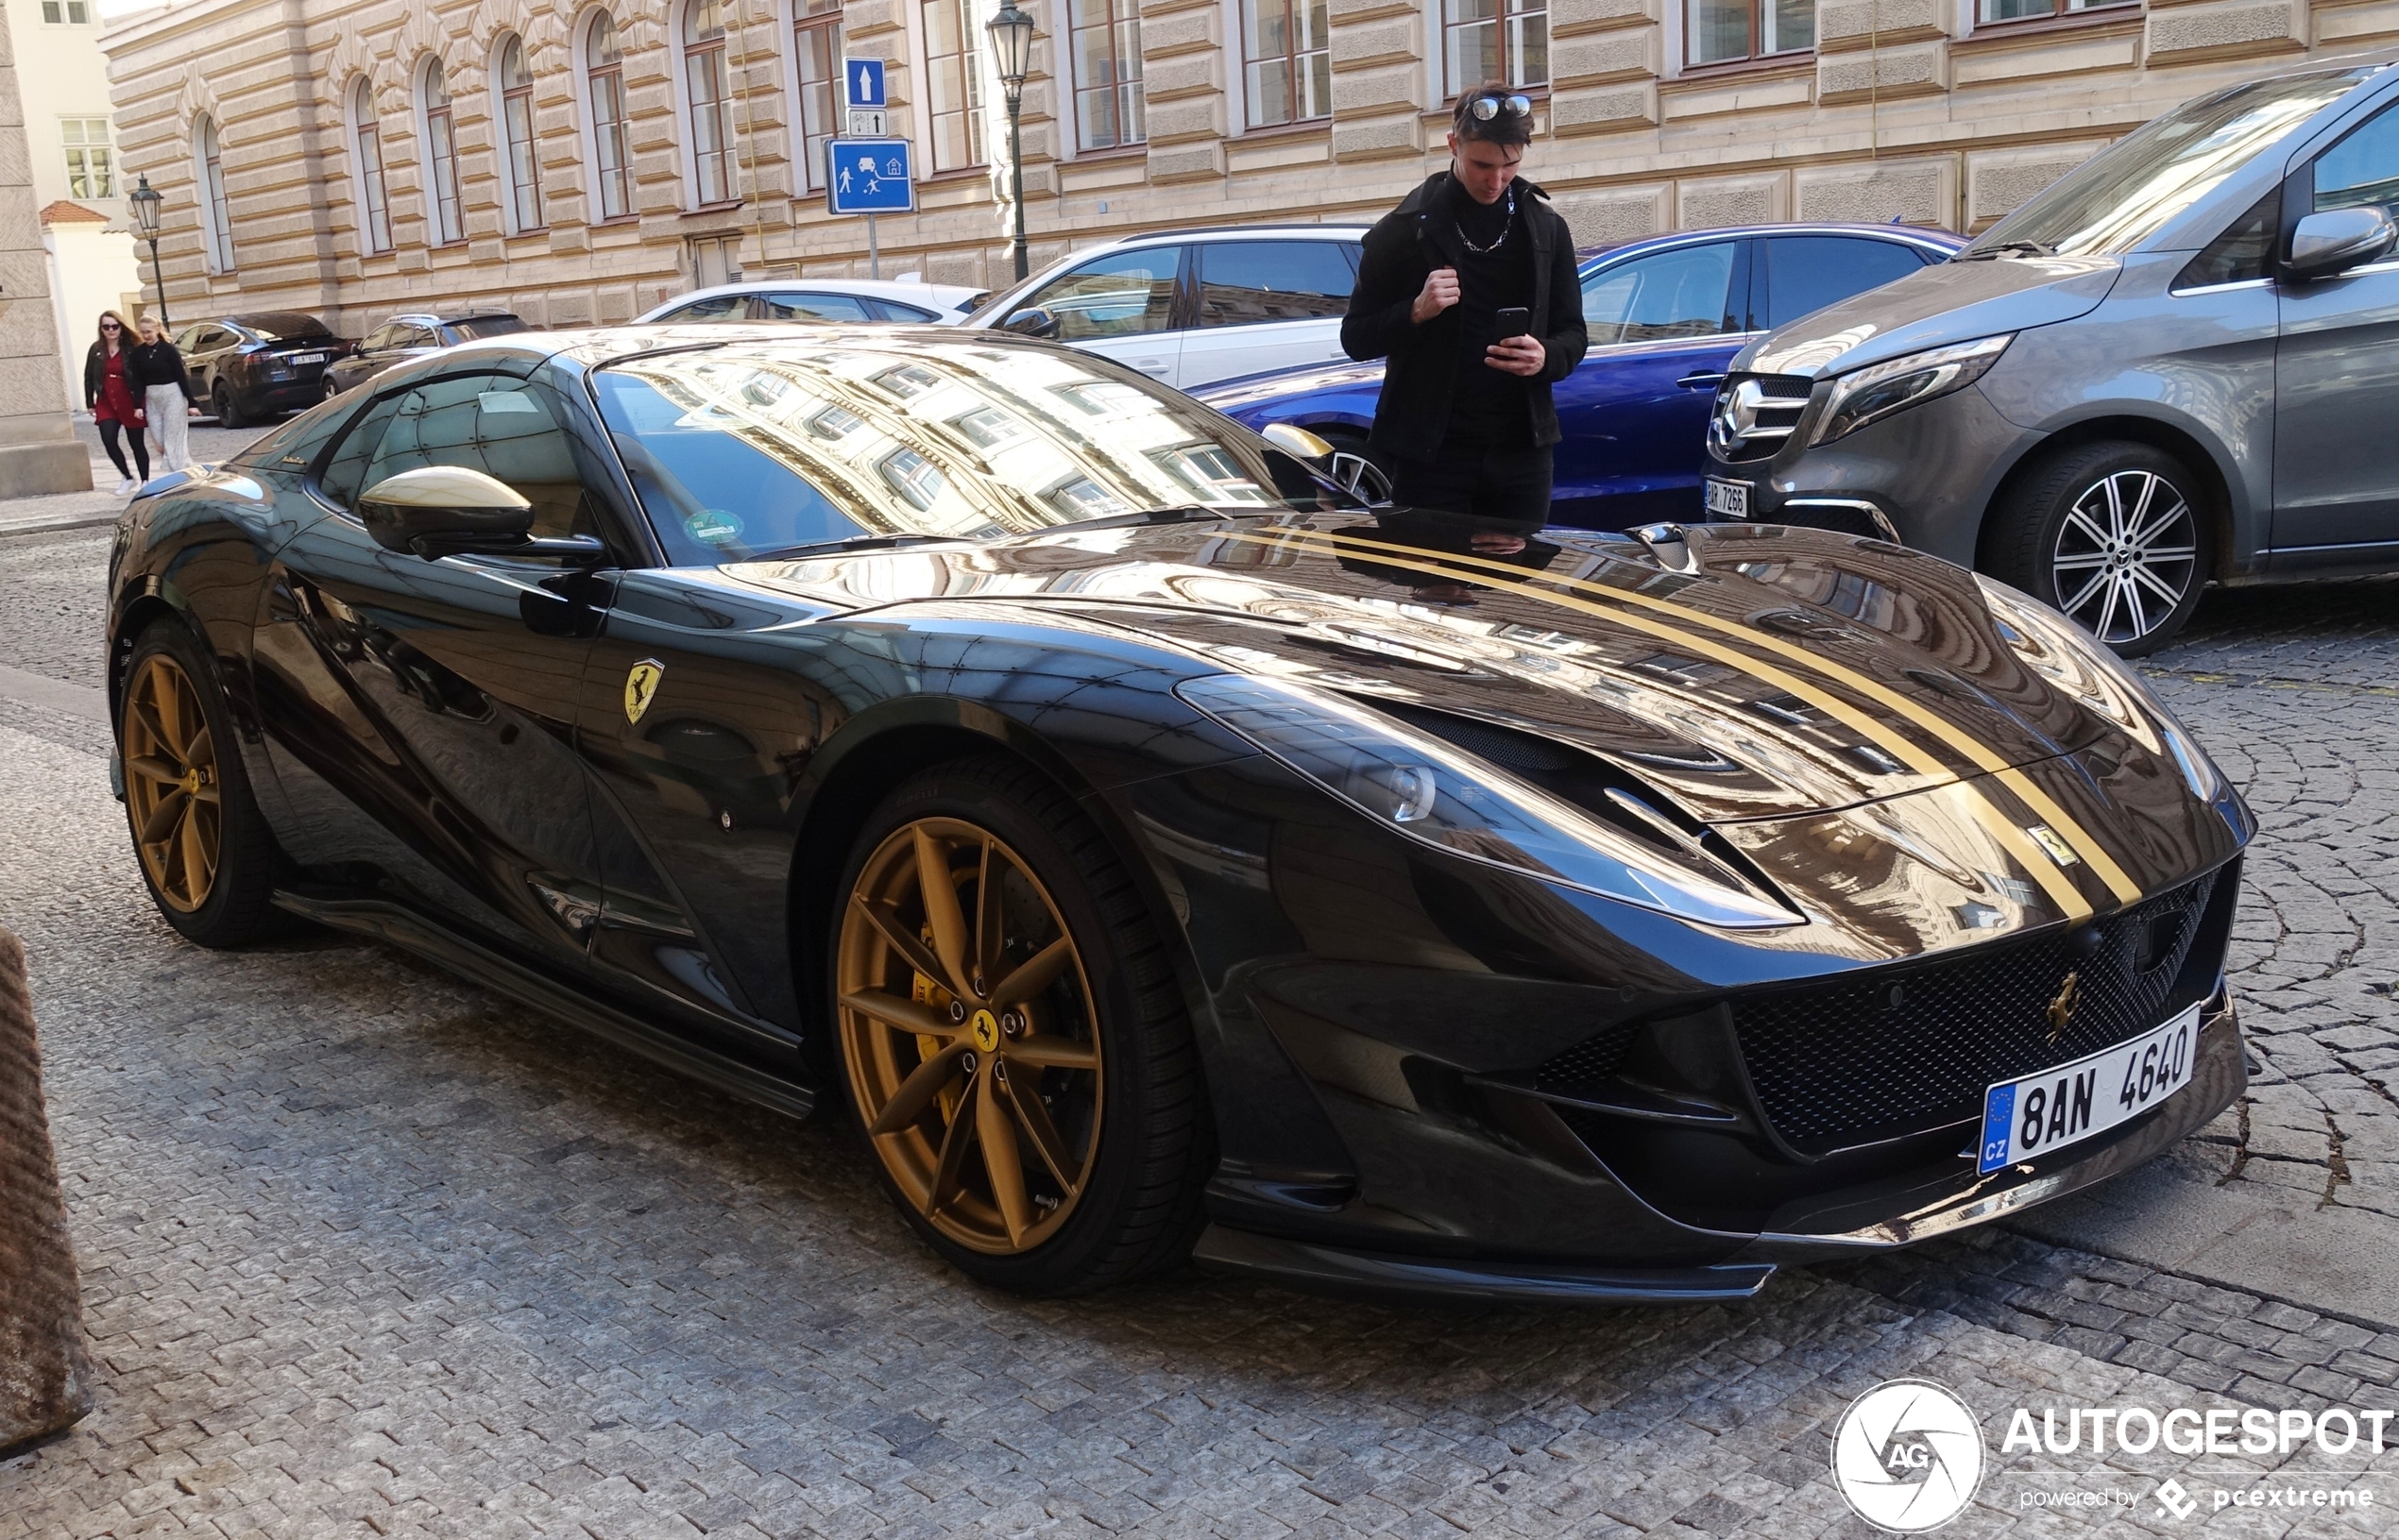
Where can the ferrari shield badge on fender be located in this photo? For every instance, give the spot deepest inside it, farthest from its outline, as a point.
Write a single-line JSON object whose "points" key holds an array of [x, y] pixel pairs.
{"points": [[642, 688]]}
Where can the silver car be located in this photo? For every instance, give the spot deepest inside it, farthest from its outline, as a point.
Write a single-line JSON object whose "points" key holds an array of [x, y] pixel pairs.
{"points": [[2177, 364]]}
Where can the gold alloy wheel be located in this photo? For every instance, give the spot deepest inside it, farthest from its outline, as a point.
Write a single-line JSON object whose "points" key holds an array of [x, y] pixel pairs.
{"points": [[172, 791], [971, 1033]]}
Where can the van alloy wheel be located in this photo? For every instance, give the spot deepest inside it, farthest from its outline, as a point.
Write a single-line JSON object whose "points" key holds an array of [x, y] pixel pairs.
{"points": [[2126, 555], [971, 1035]]}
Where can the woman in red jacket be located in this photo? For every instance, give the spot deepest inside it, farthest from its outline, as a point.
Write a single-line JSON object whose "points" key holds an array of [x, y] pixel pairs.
{"points": [[111, 397]]}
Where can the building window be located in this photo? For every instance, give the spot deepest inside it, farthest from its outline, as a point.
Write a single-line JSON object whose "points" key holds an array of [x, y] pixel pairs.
{"points": [[955, 84], [604, 72], [91, 170], [1496, 40], [1289, 67], [522, 164], [816, 46], [448, 222], [1723, 30], [2016, 10], [67, 12], [374, 201], [1106, 42], [216, 214], [705, 77]]}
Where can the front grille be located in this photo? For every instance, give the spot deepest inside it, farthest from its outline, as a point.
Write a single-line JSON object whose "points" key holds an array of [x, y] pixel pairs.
{"points": [[1846, 1064], [1755, 413]]}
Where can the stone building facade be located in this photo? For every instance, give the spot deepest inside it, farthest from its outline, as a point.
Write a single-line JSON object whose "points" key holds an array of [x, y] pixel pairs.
{"points": [[579, 162]]}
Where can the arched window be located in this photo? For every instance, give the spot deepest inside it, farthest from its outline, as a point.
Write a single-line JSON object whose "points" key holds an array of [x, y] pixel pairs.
{"points": [[603, 74], [711, 97], [366, 141], [216, 214], [444, 219], [514, 84], [816, 50]]}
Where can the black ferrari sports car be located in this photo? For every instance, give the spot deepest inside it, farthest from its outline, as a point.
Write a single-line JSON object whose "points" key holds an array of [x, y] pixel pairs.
{"points": [[1161, 853]]}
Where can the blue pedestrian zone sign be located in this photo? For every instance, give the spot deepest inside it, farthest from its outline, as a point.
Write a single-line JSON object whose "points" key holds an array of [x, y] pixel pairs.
{"points": [[869, 176], [863, 80]]}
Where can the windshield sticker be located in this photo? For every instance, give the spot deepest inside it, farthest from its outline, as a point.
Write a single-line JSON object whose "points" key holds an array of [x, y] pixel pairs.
{"points": [[713, 525]]}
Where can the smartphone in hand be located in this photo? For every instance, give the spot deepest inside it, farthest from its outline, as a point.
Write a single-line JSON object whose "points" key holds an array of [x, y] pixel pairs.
{"points": [[1514, 321]]}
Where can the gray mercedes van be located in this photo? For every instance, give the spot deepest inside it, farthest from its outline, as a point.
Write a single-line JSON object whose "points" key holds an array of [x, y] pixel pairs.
{"points": [[2178, 364]]}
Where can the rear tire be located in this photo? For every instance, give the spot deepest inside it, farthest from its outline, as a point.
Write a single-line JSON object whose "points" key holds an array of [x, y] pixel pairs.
{"points": [[1091, 1080], [2114, 534], [228, 408]]}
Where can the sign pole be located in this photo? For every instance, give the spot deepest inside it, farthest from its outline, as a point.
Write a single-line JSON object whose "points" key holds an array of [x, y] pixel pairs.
{"points": [[873, 254]]}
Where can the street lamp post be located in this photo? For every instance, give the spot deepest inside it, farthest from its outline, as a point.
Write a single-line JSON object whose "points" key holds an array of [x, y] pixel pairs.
{"points": [[145, 200], [1011, 35]]}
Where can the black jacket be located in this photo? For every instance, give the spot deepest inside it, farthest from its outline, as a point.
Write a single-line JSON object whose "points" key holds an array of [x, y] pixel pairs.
{"points": [[1404, 247], [157, 364], [96, 370]]}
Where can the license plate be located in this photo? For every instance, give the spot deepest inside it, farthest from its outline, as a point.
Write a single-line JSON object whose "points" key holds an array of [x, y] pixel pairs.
{"points": [[305, 358], [2060, 1107], [1724, 499]]}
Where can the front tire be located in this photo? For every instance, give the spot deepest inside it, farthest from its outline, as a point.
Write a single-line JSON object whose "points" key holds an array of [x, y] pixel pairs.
{"points": [[2113, 533], [1014, 1043], [206, 855]]}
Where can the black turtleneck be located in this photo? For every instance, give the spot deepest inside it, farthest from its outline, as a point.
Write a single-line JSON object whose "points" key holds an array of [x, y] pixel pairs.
{"points": [[1487, 408]]}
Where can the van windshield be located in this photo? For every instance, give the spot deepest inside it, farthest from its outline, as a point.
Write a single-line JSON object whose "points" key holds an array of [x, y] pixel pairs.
{"points": [[2128, 192]]}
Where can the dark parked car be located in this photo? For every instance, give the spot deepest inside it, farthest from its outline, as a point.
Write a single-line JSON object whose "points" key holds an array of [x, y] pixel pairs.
{"points": [[405, 337], [259, 364], [1156, 848], [1666, 315]]}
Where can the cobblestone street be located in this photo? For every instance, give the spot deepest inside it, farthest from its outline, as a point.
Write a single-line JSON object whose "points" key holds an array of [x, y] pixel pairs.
{"points": [[368, 1252]]}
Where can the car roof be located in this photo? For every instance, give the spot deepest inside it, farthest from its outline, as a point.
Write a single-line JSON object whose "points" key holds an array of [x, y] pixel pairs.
{"points": [[902, 289], [1920, 235], [1230, 232], [451, 318], [273, 318]]}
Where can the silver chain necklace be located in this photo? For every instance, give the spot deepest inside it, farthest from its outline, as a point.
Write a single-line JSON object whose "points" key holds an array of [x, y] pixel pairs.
{"points": [[1485, 251]]}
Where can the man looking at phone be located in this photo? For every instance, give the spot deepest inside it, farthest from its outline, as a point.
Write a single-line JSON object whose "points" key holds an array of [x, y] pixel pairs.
{"points": [[1468, 289]]}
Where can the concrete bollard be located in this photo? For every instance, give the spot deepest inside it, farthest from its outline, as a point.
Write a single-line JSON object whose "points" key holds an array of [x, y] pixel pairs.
{"points": [[45, 1375]]}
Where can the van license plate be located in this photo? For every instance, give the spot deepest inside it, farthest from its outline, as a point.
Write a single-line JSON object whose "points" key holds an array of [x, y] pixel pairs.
{"points": [[1724, 499], [2061, 1107]]}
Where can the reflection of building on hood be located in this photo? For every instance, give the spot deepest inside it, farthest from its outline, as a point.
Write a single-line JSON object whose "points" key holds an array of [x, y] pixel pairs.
{"points": [[1433, 535]]}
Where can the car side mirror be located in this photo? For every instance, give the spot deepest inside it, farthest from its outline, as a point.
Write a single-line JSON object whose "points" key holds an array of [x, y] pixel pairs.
{"points": [[1033, 321], [1292, 439], [2334, 242], [437, 510]]}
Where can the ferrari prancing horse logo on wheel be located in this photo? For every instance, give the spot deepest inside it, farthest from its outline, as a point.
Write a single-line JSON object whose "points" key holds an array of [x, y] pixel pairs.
{"points": [[642, 688]]}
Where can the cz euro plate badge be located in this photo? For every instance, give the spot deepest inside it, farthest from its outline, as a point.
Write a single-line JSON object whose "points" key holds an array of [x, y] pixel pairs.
{"points": [[2063, 1105], [1724, 499]]}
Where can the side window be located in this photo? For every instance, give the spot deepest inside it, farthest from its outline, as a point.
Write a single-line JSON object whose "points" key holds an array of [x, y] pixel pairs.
{"points": [[1243, 282], [812, 306], [719, 307], [1123, 295], [1674, 294], [188, 342], [1805, 272], [2362, 169], [503, 427], [891, 311], [2243, 253], [380, 337]]}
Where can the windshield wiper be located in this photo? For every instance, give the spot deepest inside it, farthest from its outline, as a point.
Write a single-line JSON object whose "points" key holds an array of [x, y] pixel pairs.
{"points": [[1181, 514], [854, 542], [2007, 248]]}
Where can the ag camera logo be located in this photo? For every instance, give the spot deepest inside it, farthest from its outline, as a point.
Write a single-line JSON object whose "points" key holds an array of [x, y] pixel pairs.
{"points": [[1908, 1456]]}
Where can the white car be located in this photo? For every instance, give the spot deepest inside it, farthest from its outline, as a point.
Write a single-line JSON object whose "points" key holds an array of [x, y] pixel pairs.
{"points": [[1195, 305], [824, 300]]}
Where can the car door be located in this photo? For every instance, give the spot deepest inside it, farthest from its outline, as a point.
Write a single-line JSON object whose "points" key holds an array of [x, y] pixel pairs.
{"points": [[374, 352], [792, 305], [420, 711], [204, 351], [1633, 416], [1265, 305], [1123, 305], [2336, 370]]}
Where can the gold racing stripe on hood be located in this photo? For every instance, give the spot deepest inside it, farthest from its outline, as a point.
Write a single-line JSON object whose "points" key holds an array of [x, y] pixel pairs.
{"points": [[1978, 754], [2045, 871]]}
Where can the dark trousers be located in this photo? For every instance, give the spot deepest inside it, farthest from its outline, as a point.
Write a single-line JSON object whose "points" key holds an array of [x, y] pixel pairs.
{"points": [[141, 450], [1512, 484]]}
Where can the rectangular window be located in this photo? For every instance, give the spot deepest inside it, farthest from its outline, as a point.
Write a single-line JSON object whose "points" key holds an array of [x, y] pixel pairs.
{"points": [[370, 175], [1287, 62], [71, 12], [2016, 10], [955, 84], [817, 44], [1494, 39], [90, 171], [1106, 43], [712, 122], [1720, 31]]}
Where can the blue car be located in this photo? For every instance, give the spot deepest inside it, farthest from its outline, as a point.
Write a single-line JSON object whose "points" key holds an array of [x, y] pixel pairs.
{"points": [[1666, 315]]}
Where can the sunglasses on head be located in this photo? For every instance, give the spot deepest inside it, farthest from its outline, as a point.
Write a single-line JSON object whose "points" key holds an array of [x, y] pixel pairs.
{"points": [[1483, 109]]}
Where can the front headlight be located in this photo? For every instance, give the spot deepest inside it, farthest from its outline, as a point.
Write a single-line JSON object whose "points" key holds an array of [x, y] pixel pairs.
{"points": [[1875, 391], [1434, 792], [2076, 663]]}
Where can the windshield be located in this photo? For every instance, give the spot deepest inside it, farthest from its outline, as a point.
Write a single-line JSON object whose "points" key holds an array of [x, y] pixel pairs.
{"points": [[487, 325], [748, 448], [279, 325], [2128, 192]]}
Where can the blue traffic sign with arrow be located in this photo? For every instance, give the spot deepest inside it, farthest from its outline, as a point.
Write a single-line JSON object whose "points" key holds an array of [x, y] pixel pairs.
{"points": [[862, 82], [869, 176]]}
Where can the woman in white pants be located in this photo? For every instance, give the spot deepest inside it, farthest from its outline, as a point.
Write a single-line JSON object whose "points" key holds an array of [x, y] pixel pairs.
{"points": [[156, 370]]}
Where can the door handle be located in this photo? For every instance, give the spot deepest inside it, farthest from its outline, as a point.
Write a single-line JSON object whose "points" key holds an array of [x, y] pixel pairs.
{"points": [[1153, 366], [1701, 381]]}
